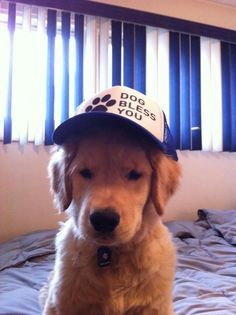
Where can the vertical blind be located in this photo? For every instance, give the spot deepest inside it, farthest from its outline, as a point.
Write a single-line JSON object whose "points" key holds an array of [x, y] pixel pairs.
{"points": [[51, 60]]}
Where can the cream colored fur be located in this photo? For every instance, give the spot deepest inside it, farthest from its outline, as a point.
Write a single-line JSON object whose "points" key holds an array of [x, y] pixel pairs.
{"points": [[139, 280]]}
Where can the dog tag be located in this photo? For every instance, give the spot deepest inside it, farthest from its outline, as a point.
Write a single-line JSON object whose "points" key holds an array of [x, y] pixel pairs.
{"points": [[104, 256]]}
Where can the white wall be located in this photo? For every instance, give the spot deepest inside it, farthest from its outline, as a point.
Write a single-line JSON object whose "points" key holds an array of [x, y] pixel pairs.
{"points": [[202, 11], [209, 179], [25, 201]]}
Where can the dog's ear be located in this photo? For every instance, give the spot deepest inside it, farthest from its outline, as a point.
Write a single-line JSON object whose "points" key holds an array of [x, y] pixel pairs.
{"points": [[60, 180], [165, 179]]}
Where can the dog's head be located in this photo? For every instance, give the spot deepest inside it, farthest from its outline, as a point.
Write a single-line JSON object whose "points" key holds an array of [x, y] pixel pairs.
{"points": [[110, 181]]}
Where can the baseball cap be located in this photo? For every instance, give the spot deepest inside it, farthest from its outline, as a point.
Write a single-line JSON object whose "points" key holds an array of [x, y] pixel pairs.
{"points": [[126, 106]]}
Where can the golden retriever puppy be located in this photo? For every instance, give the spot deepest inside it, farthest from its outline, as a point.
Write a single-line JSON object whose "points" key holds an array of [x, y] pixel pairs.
{"points": [[113, 255]]}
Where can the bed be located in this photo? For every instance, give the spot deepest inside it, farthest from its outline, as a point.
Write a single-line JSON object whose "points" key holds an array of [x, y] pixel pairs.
{"points": [[205, 280]]}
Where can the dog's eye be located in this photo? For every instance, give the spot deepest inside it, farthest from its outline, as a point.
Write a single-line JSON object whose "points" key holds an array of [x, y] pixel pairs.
{"points": [[86, 173], [134, 175]]}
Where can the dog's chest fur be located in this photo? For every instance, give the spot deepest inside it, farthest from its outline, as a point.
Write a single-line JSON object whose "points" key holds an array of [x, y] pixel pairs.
{"points": [[117, 288]]}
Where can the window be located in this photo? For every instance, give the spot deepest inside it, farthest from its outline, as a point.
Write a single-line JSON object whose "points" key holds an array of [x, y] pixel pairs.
{"points": [[52, 59]]}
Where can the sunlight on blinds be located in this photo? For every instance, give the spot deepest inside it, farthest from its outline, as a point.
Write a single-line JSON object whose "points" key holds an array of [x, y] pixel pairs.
{"points": [[50, 61]]}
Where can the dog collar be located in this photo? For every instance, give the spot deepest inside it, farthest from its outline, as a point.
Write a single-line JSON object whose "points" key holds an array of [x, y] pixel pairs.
{"points": [[104, 255]]}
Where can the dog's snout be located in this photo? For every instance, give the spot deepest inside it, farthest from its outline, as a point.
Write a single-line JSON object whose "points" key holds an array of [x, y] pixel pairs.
{"points": [[105, 221]]}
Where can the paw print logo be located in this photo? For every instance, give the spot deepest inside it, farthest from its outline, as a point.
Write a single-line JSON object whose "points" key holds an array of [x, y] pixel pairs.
{"points": [[101, 104]]}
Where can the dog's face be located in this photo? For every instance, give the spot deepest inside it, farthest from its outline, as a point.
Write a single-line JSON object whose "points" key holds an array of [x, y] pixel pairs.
{"points": [[110, 181]]}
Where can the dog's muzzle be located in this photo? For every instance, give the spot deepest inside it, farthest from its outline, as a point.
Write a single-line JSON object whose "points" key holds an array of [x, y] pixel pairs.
{"points": [[104, 221]]}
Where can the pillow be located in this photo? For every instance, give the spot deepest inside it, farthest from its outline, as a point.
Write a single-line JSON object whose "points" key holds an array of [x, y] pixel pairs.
{"points": [[19, 250], [185, 229], [223, 221]]}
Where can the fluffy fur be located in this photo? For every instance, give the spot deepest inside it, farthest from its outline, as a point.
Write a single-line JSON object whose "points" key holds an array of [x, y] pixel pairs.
{"points": [[139, 280]]}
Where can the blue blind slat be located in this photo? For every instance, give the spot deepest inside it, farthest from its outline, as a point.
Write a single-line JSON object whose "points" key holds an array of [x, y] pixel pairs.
{"points": [[51, 33], [79, 48], [185, 92], [128, 43], [174, 86], [185, 77], [8, 119], [65, 66], [196, 135], [140, 59], [226, 95], [233, 97], [116, 28], [228, 70]]}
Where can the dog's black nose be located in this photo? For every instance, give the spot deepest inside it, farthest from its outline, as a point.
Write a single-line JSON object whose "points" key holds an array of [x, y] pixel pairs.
{"points": [[105, 221]]}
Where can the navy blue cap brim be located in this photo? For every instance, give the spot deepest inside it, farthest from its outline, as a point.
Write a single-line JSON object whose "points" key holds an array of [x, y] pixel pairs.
{"points": [[81, 122]]}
